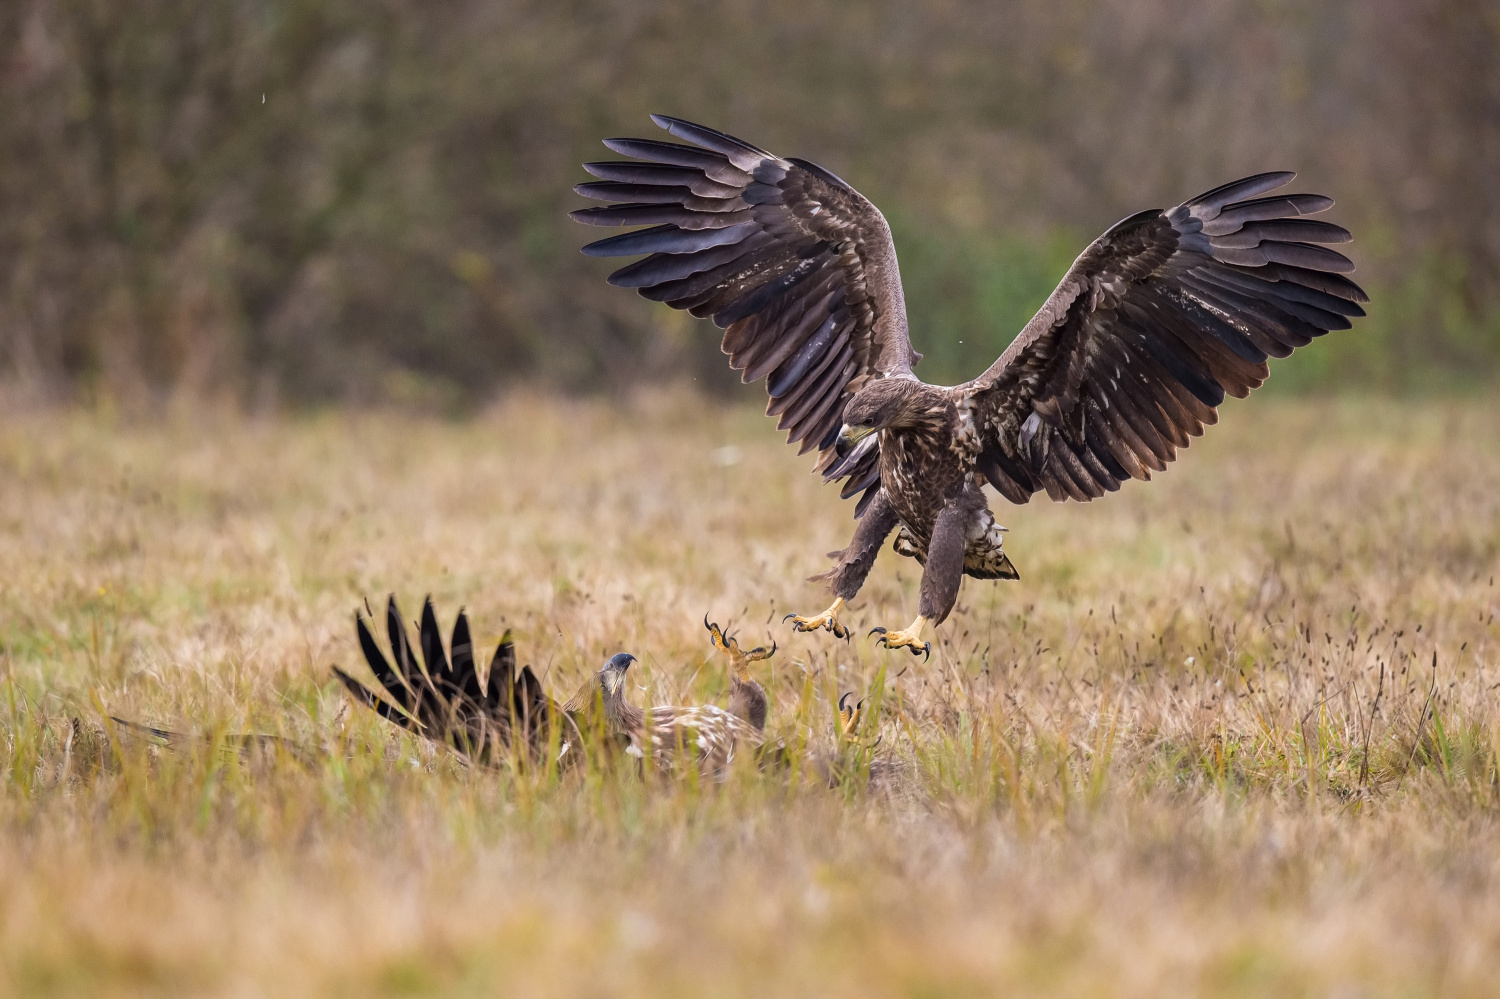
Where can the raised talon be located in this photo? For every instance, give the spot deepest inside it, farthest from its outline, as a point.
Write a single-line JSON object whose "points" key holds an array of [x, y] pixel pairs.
{"points": [[730, 646], [849, 716], [828, 619], [908, 638]]}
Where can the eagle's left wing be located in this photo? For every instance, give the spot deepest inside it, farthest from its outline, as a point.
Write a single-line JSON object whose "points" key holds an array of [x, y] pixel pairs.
{"points": [[795, 265], [443, 700], [1155, 321]]}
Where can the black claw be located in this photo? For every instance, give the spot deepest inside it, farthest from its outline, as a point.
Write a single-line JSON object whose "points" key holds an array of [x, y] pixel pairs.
{"points": [[773, 649], [787, 618], [706, 624], [926, 651], [876, 631], [847, 695]]}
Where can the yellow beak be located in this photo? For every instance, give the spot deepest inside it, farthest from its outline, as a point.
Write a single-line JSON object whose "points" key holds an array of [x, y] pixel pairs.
{"points": [[853, 435]]}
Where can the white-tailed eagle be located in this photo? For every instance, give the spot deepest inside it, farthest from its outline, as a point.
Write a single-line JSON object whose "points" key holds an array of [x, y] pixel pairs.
{"points": [[1127, 360]]}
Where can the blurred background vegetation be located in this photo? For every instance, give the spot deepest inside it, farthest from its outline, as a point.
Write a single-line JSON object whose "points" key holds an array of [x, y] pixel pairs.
{"points": [[290, 201]]}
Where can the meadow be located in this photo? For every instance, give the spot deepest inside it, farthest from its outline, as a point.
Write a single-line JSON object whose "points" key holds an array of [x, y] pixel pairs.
{"points": [[1235, 732]]}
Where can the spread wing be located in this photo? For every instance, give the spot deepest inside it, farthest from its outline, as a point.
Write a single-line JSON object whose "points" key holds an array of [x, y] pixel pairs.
{"points": [[445, 701], [1151, 326], [792, 263]]}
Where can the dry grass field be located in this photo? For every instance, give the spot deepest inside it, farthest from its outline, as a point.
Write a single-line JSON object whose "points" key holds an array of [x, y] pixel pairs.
{"points": [[1236, 732]]}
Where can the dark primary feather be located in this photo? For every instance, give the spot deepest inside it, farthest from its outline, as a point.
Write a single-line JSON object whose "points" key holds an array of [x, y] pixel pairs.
{"points": [[1154, 323], [786, 257], [1284, 206]]}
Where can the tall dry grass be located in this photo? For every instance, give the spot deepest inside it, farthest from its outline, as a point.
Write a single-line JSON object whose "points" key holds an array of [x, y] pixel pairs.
{"points": [[1233, 733]]}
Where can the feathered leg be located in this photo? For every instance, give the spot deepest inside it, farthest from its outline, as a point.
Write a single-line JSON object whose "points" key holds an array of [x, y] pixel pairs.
{"points": [[945, 560], [940, 577], [854, 564]]}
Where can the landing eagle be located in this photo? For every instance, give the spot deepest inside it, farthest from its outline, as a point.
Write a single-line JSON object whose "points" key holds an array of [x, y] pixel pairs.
{"points": [[1127, 360]]}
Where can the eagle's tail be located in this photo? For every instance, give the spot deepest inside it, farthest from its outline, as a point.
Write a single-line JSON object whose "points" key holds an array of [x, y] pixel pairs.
{"points": [[984, 558]]}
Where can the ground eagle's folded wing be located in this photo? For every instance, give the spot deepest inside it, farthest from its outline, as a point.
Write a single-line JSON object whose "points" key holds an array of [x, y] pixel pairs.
{"points": [[1151, 326], [706, 733], [795, 265]]}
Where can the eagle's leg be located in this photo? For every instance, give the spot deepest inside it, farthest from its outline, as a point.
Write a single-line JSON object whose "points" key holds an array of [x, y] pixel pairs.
{"points": [[747, 699], [941, 575], [854, 564]]}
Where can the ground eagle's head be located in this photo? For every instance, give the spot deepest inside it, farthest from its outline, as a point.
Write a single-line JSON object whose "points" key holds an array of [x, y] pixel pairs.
{"points": [[892, 404], [612, 677], [605, 691]]}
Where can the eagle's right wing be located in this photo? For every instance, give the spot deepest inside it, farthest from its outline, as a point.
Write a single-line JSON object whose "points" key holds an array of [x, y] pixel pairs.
{"points": [[795, 265]]}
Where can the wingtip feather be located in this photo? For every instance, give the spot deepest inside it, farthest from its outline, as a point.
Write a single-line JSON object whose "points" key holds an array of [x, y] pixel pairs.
{"points": [[1207, 205]]}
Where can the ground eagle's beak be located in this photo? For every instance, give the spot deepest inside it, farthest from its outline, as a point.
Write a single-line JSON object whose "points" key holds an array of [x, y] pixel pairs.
{"points": [[853, 435]]}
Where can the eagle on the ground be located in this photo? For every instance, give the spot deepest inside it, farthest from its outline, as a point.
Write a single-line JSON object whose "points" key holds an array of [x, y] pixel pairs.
{"points": [[508, 715], [1127, 360], [704, 737]]}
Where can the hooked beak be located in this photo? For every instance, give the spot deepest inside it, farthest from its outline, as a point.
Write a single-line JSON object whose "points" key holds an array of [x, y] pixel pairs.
{"points": [[851, 436]]}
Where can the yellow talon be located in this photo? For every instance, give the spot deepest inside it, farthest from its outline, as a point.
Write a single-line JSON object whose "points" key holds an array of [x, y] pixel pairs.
{"points": [[828, 619], [730, 646], [907, 638], [849, 715]]}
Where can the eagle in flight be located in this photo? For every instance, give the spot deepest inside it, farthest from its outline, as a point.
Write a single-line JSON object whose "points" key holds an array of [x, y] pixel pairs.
{"points": [[1127, 360]]}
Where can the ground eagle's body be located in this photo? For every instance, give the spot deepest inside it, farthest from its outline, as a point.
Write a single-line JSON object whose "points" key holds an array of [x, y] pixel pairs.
{"points": [[1127, 360]]}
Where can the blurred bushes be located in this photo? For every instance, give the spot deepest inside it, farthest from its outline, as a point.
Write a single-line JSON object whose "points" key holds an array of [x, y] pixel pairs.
{"points": [[969, 292], [295, 200]]}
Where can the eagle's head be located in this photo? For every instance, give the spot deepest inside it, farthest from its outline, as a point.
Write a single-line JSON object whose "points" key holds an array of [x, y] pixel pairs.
{"points": [[612, 677], [892, 404], [605, 691]]}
